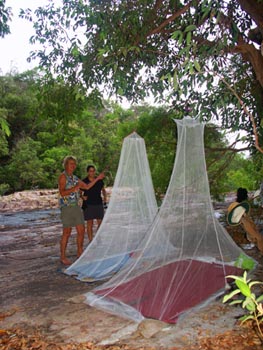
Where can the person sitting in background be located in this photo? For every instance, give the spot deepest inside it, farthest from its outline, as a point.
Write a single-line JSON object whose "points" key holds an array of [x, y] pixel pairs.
{"points": [[92, 202], [238, 214]]}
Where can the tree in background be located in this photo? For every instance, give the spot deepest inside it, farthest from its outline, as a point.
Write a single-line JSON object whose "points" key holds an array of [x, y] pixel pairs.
{"points": [[202, 54], [50, 119], [18, 103], [42, 112], [5, 18], [243, 173], [25, 169], [62, 120]]}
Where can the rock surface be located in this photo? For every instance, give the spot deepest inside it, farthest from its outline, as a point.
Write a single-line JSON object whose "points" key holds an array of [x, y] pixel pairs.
{"points": [[36, 294], [29, 200]]}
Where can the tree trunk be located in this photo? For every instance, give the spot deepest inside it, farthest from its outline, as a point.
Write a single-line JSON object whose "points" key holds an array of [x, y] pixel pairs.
{"points": [[249, 52], [252, 55], [255, 10]]}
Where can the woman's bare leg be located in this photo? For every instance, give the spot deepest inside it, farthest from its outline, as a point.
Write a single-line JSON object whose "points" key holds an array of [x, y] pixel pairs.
{"points": [[63, 245], [99, 221], [90, 229], [80, 238]]}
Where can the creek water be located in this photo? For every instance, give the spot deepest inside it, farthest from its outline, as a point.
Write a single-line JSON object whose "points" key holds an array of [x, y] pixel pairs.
{"points": [[43, 216], [29, 218]]}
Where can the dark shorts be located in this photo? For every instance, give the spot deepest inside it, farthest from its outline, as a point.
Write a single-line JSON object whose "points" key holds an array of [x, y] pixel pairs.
{"points": [[72, 216], [93, 212]]}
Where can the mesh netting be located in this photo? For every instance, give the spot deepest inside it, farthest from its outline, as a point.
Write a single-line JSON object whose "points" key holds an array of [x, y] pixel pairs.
{"points": [[131, 210], [185, 255]]}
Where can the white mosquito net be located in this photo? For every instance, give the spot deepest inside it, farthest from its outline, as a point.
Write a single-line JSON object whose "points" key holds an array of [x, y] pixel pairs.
{"points": [[186, 254], [131, 210]]}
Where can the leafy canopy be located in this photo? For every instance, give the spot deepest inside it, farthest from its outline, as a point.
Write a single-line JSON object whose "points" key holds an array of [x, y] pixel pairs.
{"points": [[5, 18], [50, 119], [198, 54]]}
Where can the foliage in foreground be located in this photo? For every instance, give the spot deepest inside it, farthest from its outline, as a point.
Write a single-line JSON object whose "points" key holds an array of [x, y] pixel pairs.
{"points": [[16, 339], [247, 300]]}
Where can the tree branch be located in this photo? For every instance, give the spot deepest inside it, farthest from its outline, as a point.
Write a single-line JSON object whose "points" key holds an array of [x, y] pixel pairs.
{"points": [[246, 111], [221, 169], [227, 149], [157, 5], [252, 55], [213, 149], [170, 19]]}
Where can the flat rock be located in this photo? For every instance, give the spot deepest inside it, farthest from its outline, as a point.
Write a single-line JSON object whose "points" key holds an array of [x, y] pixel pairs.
{"points": [[147, 328]]}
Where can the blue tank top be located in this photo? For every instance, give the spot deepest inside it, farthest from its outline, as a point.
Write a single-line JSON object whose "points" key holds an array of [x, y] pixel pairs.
{"points": [[73, 198]]}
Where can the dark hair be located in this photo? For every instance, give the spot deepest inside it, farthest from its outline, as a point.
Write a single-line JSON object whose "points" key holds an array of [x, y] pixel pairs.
{"points": [[90, 166], [241, 194]]}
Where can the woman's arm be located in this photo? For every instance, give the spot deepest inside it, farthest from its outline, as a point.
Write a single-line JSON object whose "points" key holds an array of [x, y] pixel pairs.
{"points": [[85, 186], [82, 195], [104, 193]]}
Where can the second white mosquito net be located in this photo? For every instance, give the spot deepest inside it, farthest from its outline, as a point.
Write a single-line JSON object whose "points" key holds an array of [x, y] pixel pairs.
{"points": [[131, 210], [186, 254]]}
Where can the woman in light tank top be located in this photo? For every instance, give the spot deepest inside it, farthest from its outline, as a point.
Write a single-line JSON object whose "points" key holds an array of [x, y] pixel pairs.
{"points": [[71, 213]]}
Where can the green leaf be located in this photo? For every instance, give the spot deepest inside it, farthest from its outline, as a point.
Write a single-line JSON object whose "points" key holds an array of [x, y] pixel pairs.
{"points": [[238, 278], [5, 127], [175, 81], [134, 48], [102, 51], [243, 261], [197, 65], [120, 92], [191, 68], [230, 295], [188, 38], [245, 276], [246, 318], [205, 13], [190, 28], [124, 51], [177, 35], [259, 299], [253, 283], [244, 288], [236, 302], [75, 51], [249, 304]]}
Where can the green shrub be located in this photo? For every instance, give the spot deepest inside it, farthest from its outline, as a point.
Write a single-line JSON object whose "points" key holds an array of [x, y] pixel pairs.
{"points": [[248, 301]]}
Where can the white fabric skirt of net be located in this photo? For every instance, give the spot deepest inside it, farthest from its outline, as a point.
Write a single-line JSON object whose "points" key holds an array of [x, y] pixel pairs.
{"points": [[184, 258], [130, 212]]}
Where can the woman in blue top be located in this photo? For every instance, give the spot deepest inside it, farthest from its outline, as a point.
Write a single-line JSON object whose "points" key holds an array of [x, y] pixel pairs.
{"points": [[71, 213]]}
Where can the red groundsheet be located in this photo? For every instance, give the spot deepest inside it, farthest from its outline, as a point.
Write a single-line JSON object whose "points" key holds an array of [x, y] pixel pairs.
{"points": [[166, 292]]}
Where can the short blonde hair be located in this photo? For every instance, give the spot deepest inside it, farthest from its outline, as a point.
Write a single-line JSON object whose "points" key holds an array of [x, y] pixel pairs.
{"points": [[67, 159]]}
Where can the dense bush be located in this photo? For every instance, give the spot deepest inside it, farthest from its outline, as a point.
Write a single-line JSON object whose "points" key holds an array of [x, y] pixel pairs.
{"points": [[49, 120]]}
